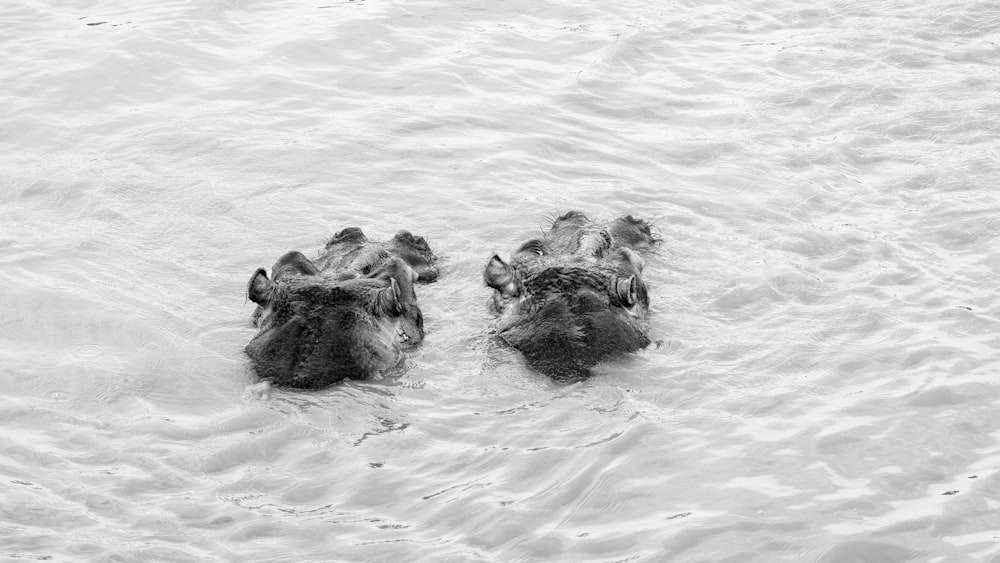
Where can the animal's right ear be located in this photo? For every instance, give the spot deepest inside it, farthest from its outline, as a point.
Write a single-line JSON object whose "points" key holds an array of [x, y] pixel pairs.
{"points": [[501, 276], [259, 287]]}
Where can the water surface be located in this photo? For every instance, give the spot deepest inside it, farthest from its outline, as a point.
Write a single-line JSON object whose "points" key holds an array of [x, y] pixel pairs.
{"points": [[823, 174]]}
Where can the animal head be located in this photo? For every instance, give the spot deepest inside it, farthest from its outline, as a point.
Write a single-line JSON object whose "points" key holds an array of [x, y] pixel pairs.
{"points": [[315, 330]]}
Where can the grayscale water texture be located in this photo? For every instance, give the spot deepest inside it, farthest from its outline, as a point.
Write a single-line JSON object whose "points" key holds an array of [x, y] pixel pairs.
{"points": [[824, 176]]}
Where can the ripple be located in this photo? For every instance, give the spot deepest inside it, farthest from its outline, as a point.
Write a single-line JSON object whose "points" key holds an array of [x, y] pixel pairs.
{"points": [[860, 550], [88, 351]]}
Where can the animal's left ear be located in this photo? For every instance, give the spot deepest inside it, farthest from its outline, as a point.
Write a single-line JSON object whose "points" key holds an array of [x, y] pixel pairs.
{"points": [[501, 277], [259, 287], [399, 272], [388, 299], [625, 290]]}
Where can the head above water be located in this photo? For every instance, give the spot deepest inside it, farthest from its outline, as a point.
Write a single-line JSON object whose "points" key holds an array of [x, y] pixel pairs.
{"points": [[316, 328], [567, 318], [575, 296]]}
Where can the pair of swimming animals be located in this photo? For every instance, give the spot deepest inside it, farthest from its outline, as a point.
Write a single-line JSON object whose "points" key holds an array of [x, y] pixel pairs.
{"points": [[566, 301]]}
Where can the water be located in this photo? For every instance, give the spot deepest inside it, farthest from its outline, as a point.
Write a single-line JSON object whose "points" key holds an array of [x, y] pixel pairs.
{"points": [[823, 175]]}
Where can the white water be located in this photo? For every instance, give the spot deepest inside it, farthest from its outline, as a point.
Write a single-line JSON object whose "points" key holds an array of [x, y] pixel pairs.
{"points": [[824, 176]]}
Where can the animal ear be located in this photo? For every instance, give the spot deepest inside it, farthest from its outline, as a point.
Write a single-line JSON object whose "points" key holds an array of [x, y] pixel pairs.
{"points": [[259, 287], [400, 273], [388, 299], [394, 289], [625, 290], [501, 277]]}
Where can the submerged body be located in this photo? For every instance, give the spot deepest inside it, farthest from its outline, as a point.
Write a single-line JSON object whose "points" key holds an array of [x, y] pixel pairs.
{"points": [[575, 296], [352, 313]]}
